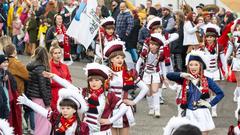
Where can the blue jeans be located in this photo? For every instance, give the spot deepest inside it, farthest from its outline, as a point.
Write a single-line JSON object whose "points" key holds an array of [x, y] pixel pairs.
{"points": [[18, 44], [30, 115], [133, 53]]}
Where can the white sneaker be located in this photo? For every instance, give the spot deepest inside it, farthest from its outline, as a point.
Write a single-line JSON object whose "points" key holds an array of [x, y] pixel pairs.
{"points": [[157, 113], [214, 114], [151, 112]]}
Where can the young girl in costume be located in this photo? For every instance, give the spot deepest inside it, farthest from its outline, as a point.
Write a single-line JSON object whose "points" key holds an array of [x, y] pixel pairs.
{"points": [[155, 26], [122, 81], [100, 101], [234, 48], [195, 91], [215, 53], [153, 71], [65, 120], [107, 34]]}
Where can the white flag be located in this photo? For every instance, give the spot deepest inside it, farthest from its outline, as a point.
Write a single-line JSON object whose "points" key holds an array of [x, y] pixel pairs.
{"points": [[85, 24]]}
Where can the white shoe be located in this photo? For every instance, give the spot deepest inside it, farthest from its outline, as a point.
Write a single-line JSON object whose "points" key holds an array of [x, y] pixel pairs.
{"points": [[151, 112], [157, 114], [214, 114]]}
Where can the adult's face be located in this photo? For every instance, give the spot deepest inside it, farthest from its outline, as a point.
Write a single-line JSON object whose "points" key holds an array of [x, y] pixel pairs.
{"points": [[165, 12], [123, 7], [149, 4], [59, 20]]}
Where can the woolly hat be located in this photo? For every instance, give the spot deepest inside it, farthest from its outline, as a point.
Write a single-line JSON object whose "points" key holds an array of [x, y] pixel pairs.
{"points": [[5, 128], [198, 56], [153, 22], [3, 58], [158, 38], [212, 30], [112, 46], [107, 21], [75, 96], [96, 69]]}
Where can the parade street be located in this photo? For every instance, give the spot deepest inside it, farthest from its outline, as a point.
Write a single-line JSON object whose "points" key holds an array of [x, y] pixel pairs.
{"points": [[147, 125]]}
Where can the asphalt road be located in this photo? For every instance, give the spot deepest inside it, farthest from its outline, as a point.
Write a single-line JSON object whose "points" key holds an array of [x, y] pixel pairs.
{"points": [[147, 125]]}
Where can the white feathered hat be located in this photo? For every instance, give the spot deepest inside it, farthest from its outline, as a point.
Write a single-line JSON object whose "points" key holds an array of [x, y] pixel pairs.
{"points": [[112, 46], [212, 29], [107, 21], [236, 33], [153, 22], [198, 56], [5, 128], [97, 69], [75, 96], [158, 38], [174, 123]]}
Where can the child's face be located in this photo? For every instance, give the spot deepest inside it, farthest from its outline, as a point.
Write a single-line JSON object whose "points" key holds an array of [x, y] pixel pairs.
{"points": [[153, 48], [4, 65], [210, 39], [157, 30], [117, 60], [194, 67], [238, 27], [67, 111], [95, 84], [56, 55], [109, 31]]}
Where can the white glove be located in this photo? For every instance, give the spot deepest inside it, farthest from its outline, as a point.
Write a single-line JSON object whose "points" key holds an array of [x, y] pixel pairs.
{"points": [[236, 114], [187, 76], [204, 103], [23, 100]]}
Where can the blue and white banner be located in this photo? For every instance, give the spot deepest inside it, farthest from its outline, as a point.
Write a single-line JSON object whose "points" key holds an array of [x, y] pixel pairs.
{"points": [[85, 24]]}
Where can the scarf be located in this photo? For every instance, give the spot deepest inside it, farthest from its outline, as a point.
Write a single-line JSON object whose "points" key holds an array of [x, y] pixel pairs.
{"points": [[211, 48], [204, 89], [66, 123], [128, 81], [93, 100], [65, 43]]}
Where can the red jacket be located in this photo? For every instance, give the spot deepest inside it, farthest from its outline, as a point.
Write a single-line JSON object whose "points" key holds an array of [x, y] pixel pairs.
{"points": [[62, 71]]}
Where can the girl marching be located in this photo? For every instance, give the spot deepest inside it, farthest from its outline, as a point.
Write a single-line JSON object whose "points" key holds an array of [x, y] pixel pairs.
{"points": [[195, 91], [153, 71], [122, 81], [65, 120], [215, 53]]}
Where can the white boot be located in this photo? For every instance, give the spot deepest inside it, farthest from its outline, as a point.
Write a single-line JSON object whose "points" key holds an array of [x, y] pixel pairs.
{"points": [[156, 105], [214, 111], [236, 94], [150, 105], [161, 99]]}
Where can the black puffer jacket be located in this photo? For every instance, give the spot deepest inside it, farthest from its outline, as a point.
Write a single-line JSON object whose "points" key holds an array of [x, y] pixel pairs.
{"points": [[38, 86]]}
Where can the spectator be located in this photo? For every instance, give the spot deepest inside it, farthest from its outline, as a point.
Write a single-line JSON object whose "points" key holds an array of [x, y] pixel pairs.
{"points": [[39, 88], [32, 31], [42, 30], [131, 45], [51, 11], [159, 9], [16, 67], [16, 8], [37, 10], [178, 51], [16, 31], [10, 88], [3, 18], [3, 104], [199, 9], [60, 69], [168, 21], [67, 12], [124, 23], [190, 39], [4, 40], [58, 31], [115, 9], [150, 10], [104, 9]]}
